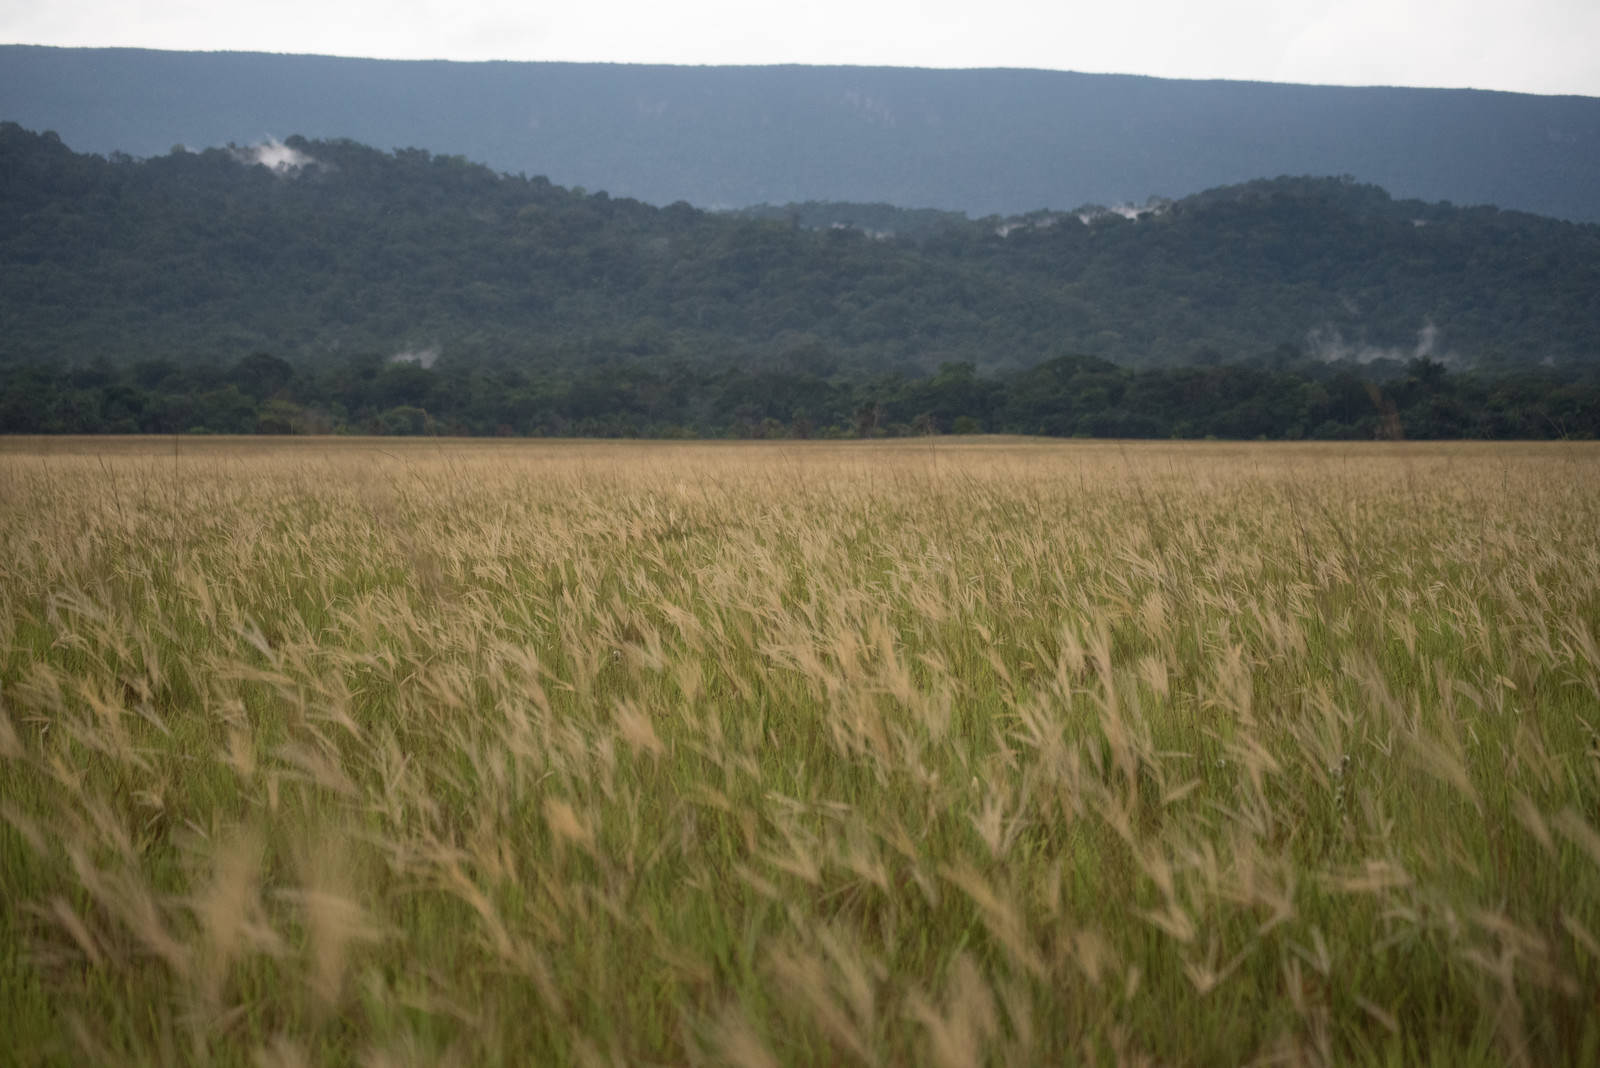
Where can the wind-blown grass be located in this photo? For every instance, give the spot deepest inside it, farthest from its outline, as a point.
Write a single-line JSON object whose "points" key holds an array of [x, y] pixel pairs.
{"points": [[999, 752]]}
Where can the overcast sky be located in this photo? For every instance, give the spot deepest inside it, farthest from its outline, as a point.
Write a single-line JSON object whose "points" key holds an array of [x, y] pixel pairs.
{"points": [[1540, 46]]}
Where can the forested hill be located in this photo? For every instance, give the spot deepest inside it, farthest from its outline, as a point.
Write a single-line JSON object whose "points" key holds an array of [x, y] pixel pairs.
{"points": [[345, 249], [979, 141]]}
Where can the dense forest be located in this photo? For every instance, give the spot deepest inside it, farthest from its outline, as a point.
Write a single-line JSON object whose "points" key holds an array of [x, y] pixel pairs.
{"points": [[342, 249], [1066, 396], [326, 286]]}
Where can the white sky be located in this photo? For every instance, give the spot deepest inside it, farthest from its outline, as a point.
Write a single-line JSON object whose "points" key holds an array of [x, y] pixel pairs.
{"points": [[1540, 46]]}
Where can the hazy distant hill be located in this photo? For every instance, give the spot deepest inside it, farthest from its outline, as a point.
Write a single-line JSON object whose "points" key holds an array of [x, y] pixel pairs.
{"points": [[198, 256], [979, 141]]}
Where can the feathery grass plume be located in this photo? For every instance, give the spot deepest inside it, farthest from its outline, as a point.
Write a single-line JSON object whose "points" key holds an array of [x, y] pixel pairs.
{"points": [[960, 1032], [232, 918], [332, 916]]}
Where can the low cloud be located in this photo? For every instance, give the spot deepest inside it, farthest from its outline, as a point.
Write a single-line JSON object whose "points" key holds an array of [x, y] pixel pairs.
{"points": [[1088, 214], [274, 155], [1154, 206]]}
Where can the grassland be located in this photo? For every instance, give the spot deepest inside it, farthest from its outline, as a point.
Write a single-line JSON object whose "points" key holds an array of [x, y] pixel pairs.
{"points": [[877, 753]]}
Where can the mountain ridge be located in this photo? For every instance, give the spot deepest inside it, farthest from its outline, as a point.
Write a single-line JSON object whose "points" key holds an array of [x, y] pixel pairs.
{"points": [[979, 140]]}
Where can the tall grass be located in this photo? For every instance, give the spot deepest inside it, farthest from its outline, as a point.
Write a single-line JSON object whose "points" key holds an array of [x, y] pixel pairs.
{"points": [[1000, 752]]}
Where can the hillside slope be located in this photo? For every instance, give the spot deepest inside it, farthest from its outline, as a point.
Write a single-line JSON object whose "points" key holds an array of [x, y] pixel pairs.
{"points": [[207, 255]]}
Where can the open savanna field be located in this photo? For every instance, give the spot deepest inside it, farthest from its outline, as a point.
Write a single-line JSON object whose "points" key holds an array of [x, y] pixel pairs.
{"points": [[946, 752]]}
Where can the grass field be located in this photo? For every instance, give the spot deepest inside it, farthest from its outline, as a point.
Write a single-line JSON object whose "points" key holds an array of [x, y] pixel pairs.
{"points": [[938, 753]]}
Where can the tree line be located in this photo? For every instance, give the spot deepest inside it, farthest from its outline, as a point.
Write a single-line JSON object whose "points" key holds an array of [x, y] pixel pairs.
{"points": [[1064, 396]]}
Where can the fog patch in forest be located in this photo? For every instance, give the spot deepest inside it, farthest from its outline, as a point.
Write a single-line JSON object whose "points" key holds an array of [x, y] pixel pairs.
{"points": [[1328, 344], [423, 358]]}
